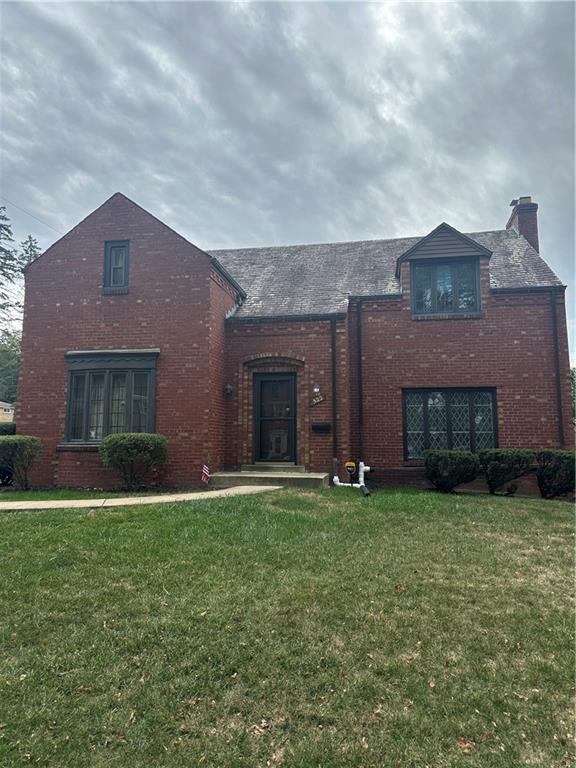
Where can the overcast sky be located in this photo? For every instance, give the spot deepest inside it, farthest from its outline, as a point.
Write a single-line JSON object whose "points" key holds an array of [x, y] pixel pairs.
{"points": [[263, 124]]}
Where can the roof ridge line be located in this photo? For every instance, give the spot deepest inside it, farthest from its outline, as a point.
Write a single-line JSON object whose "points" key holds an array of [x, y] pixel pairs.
{"points": [[342, 242]]}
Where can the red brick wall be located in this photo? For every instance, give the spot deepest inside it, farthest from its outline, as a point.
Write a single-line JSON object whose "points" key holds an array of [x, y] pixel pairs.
{"points": [[509, 346], [222, 301], [564, 355], [301, 347], [168, 306]]}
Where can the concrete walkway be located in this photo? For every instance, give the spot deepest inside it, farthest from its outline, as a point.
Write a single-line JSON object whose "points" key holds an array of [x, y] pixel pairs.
{"points": [[129, 501]]}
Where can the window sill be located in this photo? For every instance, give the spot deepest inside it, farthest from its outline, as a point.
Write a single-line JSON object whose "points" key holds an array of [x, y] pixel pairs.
{"points": [[78, 446], [414, 462], [118, 291], [449, 316]]}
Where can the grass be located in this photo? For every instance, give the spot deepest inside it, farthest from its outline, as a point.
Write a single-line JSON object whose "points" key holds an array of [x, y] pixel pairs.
{"points": [[56, 494], [294, 629]]}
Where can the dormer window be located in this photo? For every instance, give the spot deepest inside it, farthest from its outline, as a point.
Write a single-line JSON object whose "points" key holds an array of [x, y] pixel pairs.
{"points": [[116, 266], [445, 287]]}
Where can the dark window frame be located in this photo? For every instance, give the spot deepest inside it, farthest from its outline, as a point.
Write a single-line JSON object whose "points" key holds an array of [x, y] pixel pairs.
{"points": [[88, 364], [108, 287], [470, 391], [433, 264]]}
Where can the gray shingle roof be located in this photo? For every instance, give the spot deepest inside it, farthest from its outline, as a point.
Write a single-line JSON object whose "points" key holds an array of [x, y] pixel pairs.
{"points": [[318, 279]]}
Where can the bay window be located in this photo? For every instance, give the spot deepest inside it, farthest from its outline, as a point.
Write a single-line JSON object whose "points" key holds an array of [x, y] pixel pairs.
{"points": [[109, 392]]}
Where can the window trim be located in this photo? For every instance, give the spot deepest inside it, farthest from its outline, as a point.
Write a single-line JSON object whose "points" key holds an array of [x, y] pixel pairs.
{"points": [[109, 362], [466, 390], [433, 264], [107, 287]]}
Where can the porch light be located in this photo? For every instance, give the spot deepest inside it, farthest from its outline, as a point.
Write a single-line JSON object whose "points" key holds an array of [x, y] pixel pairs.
{"points": [[316, 389], [228, 389]]}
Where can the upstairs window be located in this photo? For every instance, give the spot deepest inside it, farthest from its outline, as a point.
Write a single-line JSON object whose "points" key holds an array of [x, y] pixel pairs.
{"points": [[436, 419], [116, 266], [449, 287]]}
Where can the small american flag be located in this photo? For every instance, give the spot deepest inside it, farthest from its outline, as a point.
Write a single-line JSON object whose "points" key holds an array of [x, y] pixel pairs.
{"points": [[205, 473]]}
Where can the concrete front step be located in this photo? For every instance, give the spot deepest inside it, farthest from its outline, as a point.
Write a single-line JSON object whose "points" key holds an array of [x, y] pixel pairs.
{"points": [[286, 479], [271, 466]]}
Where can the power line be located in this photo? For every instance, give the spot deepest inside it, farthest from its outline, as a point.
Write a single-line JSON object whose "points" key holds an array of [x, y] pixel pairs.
{"points": [[31, 214]]}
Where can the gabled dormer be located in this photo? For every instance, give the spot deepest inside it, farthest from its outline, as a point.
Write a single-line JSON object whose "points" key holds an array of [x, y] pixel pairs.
{"points": [[441, 274]]}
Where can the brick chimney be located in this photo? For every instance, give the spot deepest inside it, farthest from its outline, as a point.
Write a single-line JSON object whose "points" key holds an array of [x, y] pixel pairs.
{"points": [[524, 219]]}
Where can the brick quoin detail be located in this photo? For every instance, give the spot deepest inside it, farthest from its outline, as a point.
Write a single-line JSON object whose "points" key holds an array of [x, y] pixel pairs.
{"points": [[180, 302]]}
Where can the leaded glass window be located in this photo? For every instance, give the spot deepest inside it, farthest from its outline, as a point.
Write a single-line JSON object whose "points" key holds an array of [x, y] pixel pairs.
{"points": [[460, 419], [76, 407], [448, 418], [415, 424], [96, 406], [140, 406], [483, 420], [118, 402], [105, 401], [445, 287]]}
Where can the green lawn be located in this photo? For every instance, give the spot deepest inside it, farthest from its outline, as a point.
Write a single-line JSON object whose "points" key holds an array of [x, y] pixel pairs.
{"points": [[291, 629], [56, 494], [74, 493]]}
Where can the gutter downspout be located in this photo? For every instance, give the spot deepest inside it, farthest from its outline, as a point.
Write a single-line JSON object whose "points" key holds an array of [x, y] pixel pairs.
{"points": [[334, 393], [557, 368], [359, 377]]}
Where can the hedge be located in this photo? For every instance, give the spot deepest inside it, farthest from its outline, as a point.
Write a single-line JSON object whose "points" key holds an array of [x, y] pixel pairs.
{"points": [[447, 469], [134, 455], [18, 454], [555, 472], [6, 428], [502, 465]]}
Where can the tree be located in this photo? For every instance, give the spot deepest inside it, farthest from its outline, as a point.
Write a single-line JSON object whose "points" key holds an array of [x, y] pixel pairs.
{"points": [[29, 250], [12, 265], [13, 262], [9, 365]]}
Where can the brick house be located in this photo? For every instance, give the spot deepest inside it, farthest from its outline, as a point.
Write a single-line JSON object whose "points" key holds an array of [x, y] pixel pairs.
{"points": [[372, 350]]}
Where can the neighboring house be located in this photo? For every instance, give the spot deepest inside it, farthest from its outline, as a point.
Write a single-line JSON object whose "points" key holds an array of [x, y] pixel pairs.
{"points": [[373, 350], [6, 411]]}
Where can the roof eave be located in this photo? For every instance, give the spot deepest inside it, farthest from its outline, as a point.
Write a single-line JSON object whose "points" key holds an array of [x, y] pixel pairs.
{"points": [[234, 319], [227, 276], [530, 289], [374, 297]]}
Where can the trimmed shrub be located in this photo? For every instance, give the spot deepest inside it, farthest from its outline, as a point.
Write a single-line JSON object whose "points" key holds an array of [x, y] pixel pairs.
{"points": [[134, 455], [5, 476], [555, 472], [6, 428], [502, 465], [18, 454], [447, 469]]}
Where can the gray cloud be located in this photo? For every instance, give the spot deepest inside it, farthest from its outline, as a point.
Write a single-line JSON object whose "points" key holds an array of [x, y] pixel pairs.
{"points": [[260, 124]]}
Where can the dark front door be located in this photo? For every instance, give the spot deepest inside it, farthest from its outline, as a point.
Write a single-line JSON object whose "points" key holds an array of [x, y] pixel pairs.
{"points": [[275, 416]]}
